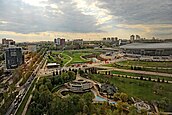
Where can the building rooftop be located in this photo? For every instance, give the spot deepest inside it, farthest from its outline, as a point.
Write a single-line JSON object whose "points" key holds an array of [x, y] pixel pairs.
{"points": [[53, 64], [147, 46]]}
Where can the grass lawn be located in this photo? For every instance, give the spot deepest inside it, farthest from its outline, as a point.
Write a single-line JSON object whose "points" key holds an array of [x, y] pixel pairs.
{"points": [[147, 64], [65, 58], [137, 88], [76, 56], [51, 59], [144, 75], [21, 108]]}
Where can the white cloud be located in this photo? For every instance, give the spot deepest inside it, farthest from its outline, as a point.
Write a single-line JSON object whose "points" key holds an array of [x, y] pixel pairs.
{"points": [[100, 17], [91, 8]]}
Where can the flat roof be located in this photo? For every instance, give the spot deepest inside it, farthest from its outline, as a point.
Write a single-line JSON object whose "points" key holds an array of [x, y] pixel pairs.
{"points": [[147, 46], [53, 64]]}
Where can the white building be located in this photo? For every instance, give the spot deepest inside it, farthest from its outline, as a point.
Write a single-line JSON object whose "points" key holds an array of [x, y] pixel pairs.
{"points": [[57, 41]]}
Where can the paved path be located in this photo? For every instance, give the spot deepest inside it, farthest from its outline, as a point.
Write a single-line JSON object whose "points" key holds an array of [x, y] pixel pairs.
{"points": [[135, 71], [68, 61]]}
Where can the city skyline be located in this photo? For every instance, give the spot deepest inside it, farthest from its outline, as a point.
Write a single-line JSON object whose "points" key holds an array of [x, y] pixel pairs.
{"points": [[40, 20]]}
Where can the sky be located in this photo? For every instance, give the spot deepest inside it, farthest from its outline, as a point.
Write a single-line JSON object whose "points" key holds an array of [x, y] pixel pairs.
{"points": [[40, 20]]}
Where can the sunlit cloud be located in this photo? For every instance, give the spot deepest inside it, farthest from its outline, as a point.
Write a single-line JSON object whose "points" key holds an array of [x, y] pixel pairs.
{"points": [[46, 19]]}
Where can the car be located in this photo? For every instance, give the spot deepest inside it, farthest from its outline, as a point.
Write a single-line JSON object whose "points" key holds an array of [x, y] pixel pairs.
{"points": [[15, 105], [15, 101]]}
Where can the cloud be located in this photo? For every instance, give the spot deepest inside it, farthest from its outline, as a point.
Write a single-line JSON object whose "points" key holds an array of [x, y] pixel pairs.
{"points": [[26, 17], [103, 17]]}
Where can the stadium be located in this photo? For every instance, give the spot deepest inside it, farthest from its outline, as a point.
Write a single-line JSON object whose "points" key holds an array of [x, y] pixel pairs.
{"points": [[148, 49]]}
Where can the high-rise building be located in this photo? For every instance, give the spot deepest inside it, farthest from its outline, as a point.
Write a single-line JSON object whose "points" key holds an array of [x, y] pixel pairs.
{"points": [[132, 37], [13, 57], [62, 42], [104, 39], [138, 37], [8, 41], [59, 41], [112, 39]]}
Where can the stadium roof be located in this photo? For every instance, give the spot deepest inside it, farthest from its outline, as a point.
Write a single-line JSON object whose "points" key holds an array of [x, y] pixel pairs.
{"points": [[147, 46]]}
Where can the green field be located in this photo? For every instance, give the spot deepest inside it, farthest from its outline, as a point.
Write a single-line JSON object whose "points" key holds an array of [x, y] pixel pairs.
{"points": [[144, 90], [143, 75], [65, 58], [76, 56], [147, 64], [164, 67]]}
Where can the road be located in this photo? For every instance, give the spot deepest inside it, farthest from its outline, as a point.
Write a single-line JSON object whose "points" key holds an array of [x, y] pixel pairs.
{"points": [[18, 100]]}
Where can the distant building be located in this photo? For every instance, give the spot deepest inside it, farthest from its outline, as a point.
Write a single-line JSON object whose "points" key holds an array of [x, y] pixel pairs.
{"points": [[59, 41], [62, 42], [13, 57], [78, 41], [132, 38], [104, 39], [122, 42], [32, 48], [110, 39], [8, 41], [138, 37]]}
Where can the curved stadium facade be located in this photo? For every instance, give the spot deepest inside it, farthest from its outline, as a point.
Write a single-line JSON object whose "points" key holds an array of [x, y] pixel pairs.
{"points": [[148, 49]]}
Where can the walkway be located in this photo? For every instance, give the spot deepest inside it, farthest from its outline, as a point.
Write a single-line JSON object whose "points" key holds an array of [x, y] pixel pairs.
{"points": [[135, 71], [68, 61]]}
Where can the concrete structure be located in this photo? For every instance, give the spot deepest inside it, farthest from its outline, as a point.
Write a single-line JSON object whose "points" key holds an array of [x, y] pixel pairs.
{"points": [[148, 49], [13, 57], [32, 48], [79, 85]]}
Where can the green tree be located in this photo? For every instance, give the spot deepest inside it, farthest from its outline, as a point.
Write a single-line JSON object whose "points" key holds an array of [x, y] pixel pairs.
{"points": [[124, 97]]}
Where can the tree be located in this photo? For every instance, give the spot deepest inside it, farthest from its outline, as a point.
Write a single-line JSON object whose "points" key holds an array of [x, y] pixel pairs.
{"points": [[163, 80], [124, 97], [56, 72], [141, 78], [81, 72], [86, 109], [158, 80], [53, 73], [132, 110], [116, 96], [72, 75], [49, 85]]}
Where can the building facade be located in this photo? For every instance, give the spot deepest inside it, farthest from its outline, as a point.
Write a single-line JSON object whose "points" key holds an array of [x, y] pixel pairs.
{"points": [[59, 42], [148, 49], [62, 42], [8, 41], [13, 57]]}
